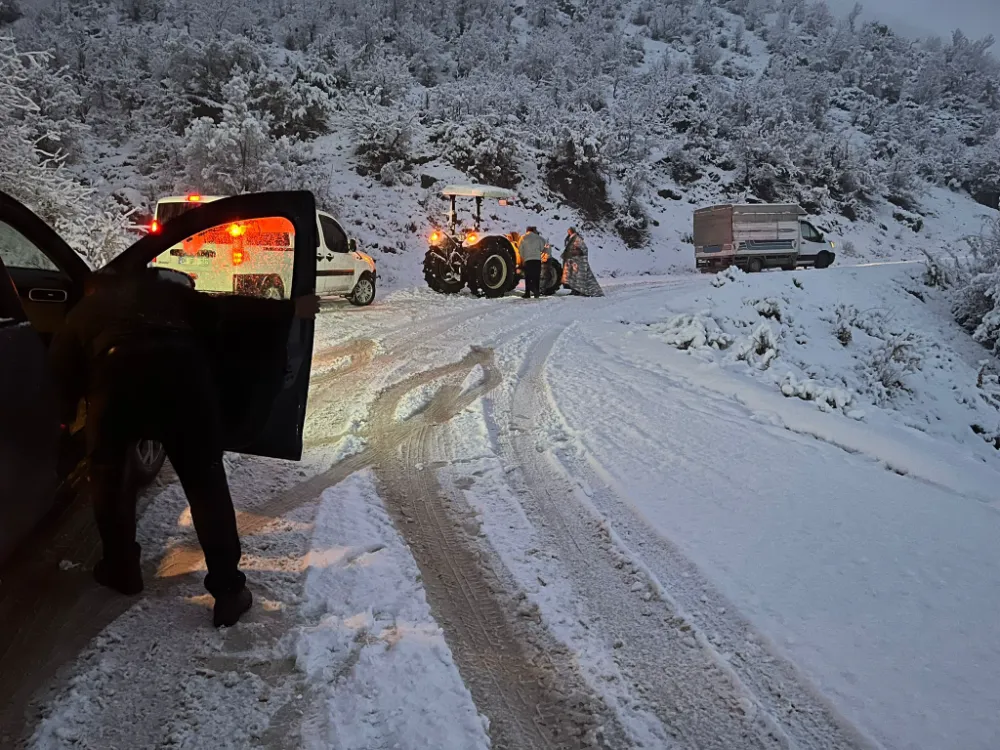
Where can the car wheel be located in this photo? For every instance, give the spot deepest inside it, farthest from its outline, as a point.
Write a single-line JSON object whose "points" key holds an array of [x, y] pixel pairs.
{"points": [[364, 291], [147, 460]]}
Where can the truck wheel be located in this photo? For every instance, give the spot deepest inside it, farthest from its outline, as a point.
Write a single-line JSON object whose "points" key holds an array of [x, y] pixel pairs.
{"points": [[551, 277], [492, 268], [364, 291], [439, 277], [754, 265], [824, 259], [146, 460]]}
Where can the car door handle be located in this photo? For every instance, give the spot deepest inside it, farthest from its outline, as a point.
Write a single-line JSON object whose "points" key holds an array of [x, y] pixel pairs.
{"points": [[319, 257], [48, 295], [329, 257]]}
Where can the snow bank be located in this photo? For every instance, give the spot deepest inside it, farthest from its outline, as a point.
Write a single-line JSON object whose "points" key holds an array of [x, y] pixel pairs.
{"points": [[374, 656]]}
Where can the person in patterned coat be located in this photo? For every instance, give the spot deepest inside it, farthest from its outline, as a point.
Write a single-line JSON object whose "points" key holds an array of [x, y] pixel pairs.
{"points": [[577, 276]]}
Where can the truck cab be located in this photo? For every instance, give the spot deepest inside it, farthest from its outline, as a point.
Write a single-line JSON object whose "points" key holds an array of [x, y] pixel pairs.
{"points": [[255, 257]]}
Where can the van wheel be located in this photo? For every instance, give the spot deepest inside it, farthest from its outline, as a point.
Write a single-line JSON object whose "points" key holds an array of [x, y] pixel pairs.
{"points": [[364, 291], [824, 259], [271, 289], [754, 265], [146, 461]]}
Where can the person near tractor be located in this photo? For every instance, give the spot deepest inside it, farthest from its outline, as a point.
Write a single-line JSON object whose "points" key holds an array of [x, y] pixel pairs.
{"points": [[577, 276], [531, 248], [125, 350]]}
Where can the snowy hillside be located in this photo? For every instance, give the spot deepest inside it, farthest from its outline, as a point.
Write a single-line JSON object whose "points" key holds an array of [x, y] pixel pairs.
{"points": [[618, 117]]}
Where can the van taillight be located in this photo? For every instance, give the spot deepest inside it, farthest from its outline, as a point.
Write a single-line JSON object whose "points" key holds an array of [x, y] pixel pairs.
{"points": [[239, 255], [154, 227]]}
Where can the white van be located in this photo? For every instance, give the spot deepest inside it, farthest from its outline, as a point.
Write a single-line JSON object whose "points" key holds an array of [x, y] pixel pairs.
{"points": [[256, 257]]}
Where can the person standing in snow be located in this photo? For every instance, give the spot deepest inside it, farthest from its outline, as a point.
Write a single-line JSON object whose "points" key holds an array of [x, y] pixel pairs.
{"points": [[577, 276], [124, 349], [532, 248]]}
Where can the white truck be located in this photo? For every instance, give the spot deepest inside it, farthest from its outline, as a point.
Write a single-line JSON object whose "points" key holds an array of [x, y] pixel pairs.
{"points": [[256, 257], [758, 236]]}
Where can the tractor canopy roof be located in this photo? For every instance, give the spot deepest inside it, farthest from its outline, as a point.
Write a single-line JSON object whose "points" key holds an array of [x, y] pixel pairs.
{"points": [[477, 191]]}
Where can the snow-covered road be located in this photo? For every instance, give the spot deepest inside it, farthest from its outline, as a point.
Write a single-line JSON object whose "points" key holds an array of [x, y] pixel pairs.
{"points": [[538, 525]]}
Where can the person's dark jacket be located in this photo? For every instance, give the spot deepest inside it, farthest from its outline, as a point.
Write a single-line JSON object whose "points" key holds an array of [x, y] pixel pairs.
{"points": [[120, 309]]}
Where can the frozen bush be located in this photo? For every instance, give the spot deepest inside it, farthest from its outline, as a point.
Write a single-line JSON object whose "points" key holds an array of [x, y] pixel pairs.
{"points": [[769, 307], [887, 370], [760, 349], [382, 134], [692, 332], [486, 151], [731, 274], [825, 397]]}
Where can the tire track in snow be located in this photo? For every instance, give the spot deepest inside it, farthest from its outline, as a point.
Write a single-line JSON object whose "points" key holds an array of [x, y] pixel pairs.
{"points": [[778, 686], [533, 698], [682, 683]]}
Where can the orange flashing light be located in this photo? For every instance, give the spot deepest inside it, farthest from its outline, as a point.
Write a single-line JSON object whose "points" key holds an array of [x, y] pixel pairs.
{"points": [[154, 228], [238, 256], [435, 238], [194, 198], [471, 238], [235, 230]]}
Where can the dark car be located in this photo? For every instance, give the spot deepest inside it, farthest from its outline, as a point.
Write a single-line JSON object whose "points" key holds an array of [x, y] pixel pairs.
{"points": [[266, 368]]}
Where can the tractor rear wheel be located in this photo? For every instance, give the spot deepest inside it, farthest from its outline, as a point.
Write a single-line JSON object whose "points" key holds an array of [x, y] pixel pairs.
{"points": [[551, 277], [440, 277], [491, 269]]}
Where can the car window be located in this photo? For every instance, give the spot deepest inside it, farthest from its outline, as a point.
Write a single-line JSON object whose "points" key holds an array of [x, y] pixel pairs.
{"points": [[333, 235], [809, 232], [254, 258], [17, 251]]}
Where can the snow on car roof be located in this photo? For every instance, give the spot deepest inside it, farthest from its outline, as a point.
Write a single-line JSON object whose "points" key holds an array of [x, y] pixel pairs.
{"points": [[477, 191]]}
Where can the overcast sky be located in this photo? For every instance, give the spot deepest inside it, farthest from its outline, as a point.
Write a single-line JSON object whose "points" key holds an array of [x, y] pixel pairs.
{"points": [[976, 18]]}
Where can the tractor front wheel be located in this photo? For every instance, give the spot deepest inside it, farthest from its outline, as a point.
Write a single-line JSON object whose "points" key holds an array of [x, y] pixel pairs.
{"points": [[439, 276], [491, 270]]}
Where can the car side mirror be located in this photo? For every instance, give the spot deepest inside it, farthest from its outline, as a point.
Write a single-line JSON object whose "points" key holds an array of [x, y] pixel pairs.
{"points": [[352, 245]]}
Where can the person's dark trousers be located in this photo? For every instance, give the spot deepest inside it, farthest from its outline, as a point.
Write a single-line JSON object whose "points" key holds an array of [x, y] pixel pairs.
{"points": [[160, 389], [532, 277]]}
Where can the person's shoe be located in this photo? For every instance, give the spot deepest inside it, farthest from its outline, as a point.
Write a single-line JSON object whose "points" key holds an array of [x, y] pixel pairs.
{"points": [[125, 579], [230, 607], [526, 295]]}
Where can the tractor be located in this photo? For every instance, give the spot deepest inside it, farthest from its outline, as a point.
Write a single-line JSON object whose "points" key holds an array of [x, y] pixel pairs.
{"points": [[490, 265]]}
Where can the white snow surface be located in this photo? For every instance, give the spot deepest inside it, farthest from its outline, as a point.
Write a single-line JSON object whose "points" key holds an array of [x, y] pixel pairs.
{"points": [[376, 658], [804, 440], [865, 550]]}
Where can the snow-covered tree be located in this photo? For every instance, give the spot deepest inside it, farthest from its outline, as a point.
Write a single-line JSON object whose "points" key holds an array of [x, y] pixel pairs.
{"points": [[39, 178]]}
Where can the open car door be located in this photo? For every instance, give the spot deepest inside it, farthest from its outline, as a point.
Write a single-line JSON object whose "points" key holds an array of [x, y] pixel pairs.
{"points": [[263, 363]]}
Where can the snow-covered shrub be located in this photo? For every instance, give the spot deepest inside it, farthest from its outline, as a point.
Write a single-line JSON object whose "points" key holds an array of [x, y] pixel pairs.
{"points": [[842, 327], [298, 106], [40, 179], [977, 302], [237, 153], [769, 307], [937, 274], [692, 332], [382, 134], [890, 364], [486, 151], [825, 397], [576, 170], [728, 275], [760, 349]]}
